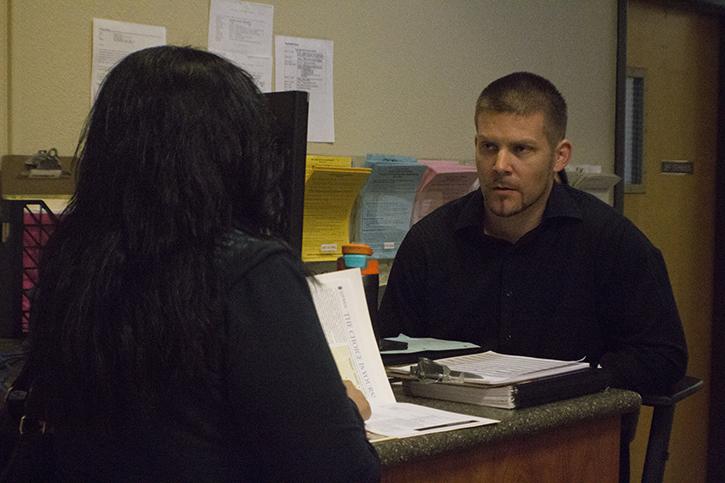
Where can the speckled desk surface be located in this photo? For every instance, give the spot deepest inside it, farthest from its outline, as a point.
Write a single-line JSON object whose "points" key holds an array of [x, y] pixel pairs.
{"points": [[514, 423]]}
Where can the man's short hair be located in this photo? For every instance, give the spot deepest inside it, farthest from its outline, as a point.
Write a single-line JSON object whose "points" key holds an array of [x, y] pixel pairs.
{"points": [[523, 94]]}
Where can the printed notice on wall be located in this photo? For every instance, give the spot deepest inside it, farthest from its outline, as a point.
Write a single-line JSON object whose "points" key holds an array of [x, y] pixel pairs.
{"points": [[113, 40], [306, 65], [242, 32]]}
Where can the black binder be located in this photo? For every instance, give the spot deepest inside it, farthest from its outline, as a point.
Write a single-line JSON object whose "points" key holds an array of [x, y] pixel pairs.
{"points": [[511, 396]]}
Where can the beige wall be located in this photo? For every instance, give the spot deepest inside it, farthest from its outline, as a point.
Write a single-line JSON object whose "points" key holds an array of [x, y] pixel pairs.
{"points": [[679, 52], [4, 52], [407, 72]]}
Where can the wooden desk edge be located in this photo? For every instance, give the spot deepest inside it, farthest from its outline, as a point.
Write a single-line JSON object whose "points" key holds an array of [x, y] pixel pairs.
{"points": [[515, 424]]}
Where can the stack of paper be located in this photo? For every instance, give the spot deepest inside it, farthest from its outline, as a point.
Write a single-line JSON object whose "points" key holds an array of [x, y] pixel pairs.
{"points": [[339, 298], [386, 202], [500, 380], [491, 368], [330, 194], [516, 395], [442, 182], [317, 161]]}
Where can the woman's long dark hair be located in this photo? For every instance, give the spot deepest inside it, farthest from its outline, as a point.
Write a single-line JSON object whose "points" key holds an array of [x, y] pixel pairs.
{"points": [[175, 153]]}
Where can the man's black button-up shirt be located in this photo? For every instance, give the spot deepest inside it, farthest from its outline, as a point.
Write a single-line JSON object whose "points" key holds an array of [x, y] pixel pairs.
{"points": [[584, 283]]}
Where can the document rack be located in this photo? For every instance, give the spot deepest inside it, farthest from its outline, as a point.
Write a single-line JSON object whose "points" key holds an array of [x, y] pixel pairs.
{"points": [[26, 227]]}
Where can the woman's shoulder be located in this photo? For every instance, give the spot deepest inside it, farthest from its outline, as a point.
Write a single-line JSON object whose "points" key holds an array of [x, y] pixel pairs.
{"points": [[239, 251]]}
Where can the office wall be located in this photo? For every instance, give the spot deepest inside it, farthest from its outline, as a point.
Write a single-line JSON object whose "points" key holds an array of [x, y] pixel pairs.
{"points": [[4, 67], [406, 72]]}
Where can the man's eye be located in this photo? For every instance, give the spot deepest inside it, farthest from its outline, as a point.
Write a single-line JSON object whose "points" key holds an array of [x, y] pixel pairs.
{"points": [[487, 147], [522, 149]]}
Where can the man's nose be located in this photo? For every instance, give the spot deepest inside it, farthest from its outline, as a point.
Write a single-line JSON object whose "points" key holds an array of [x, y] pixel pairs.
{"points": [[503, 161]]}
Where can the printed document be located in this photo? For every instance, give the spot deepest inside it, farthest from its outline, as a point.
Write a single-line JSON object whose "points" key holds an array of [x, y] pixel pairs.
{"points": [[442, 182], [306, 65], [314, 161], [242, 33], [330, 194], [113, 40], [386, 203], [339, 298]]}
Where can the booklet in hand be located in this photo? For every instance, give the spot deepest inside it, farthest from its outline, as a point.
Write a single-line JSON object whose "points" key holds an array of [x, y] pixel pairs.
{"points": [[339, 298]]}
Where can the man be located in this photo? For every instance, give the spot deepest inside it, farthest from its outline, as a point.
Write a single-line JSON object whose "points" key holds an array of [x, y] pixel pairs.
{"points": [[532, 267]]}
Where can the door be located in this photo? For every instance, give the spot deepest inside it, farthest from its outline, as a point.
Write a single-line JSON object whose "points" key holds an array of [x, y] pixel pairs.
{"points": [[677, 50]]}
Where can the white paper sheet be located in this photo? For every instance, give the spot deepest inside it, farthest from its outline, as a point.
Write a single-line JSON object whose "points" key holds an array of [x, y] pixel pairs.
{"points": [[242, 32], [114, 40], [306, 65], [403, 420], [339, 298], [492, 368]]}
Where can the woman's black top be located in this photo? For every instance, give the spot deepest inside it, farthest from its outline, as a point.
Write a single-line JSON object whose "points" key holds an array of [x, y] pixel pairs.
{"points": [[274, 410]]}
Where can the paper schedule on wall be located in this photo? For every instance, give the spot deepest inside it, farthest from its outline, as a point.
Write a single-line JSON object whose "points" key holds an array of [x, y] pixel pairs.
{"points": [[242, 32], [114, 40], [306, 65]]}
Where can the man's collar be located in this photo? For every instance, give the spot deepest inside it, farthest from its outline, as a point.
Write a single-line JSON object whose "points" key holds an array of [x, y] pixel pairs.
{"points": [[560, 205], [472, 213]]}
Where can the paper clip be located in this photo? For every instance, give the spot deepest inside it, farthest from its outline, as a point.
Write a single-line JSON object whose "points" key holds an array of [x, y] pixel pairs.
{"points": [[429, 371]]}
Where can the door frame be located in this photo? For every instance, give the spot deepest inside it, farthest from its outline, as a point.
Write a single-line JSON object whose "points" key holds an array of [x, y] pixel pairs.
{"points": [[716, 436]]}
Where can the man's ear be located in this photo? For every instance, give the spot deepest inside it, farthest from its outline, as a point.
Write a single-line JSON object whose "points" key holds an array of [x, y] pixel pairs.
{"points": [[562, 155]]}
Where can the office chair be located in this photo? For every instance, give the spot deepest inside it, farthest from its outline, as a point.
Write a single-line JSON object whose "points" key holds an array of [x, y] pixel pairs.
{"points": [[661, 426]]}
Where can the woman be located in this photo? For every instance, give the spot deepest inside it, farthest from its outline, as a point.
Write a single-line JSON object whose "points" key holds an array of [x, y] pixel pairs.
{"points": [[172, 337]]}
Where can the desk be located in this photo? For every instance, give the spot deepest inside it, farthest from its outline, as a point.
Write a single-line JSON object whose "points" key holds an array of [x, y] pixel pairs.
{"points": [[568, 441], [576, 440]]}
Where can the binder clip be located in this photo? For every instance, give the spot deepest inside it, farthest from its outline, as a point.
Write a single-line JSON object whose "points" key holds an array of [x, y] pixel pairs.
{"points": [[429, 371]]}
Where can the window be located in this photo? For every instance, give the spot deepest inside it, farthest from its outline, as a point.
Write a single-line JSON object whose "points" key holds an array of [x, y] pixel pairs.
{"points": [[634, 132]]}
